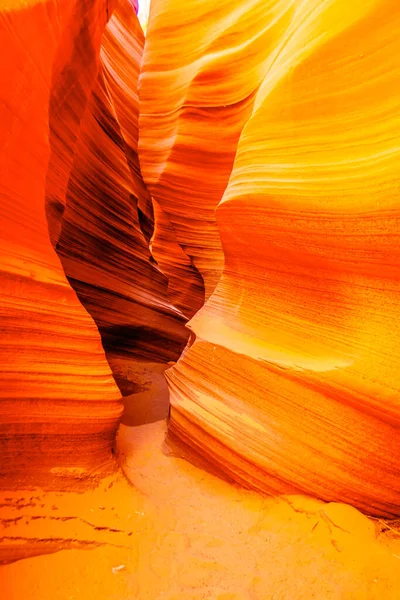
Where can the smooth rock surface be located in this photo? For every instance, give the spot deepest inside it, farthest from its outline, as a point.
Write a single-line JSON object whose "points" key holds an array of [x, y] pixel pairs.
{"points": [[59, 405], [292, 382]]}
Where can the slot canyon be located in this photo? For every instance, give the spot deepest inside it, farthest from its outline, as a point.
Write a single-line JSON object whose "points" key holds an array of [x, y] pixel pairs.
{"points": [[200, 294]]}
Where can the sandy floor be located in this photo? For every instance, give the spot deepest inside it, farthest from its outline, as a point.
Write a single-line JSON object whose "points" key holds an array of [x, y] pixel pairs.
{"points": [[180, 533]]}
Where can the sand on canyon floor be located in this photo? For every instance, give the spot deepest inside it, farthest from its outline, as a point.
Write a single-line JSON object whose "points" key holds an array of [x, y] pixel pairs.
{"points": [[177, 532], [164, 529]]}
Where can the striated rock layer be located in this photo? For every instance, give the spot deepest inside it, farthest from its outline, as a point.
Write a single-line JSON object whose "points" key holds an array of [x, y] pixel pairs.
{"points": [[269, 138], [75, 66], [192, 109], [108, 220], [59, 405], [185, 285], [292, 383]]}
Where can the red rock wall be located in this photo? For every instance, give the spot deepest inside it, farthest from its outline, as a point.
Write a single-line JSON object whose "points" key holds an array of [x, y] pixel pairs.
{"points": [[291, 383], [74, 73], [121, 56], [59, 405], [108, 220]]}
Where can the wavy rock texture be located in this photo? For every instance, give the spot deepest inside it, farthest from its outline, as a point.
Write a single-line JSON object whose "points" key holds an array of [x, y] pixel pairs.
{"points": [[185, 286], [121, 55], [191, 115], [292, 383], [268, 129], [102, 246], [59, 405], [75, 67]]}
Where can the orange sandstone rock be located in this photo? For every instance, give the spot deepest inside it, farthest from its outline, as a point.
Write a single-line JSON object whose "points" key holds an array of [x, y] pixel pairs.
{"points": [[59, 405], [185, 286], [268, 129], [108, 217], [192, 109], [121, 55], [293, 381], [74, 73]]}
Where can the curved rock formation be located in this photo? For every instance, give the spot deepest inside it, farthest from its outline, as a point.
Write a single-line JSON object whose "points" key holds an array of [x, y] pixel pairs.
{"points": [[191, 117], [108, 220], [292, 383], [59, 405], [269, 142], [74, 72], [120, 56], [185, 285]]}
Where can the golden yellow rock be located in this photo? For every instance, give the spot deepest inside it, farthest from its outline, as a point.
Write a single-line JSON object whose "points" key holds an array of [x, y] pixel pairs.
{"points": [[293, 383]]}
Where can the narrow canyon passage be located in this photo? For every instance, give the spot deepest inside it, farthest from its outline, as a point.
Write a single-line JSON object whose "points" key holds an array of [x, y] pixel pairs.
{"points": [[200, 289]]}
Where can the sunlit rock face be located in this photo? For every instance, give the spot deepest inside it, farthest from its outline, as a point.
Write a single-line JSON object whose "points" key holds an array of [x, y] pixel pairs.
{"points": [[108, 220], [292, 383], [59, 405], [192, 109]]}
